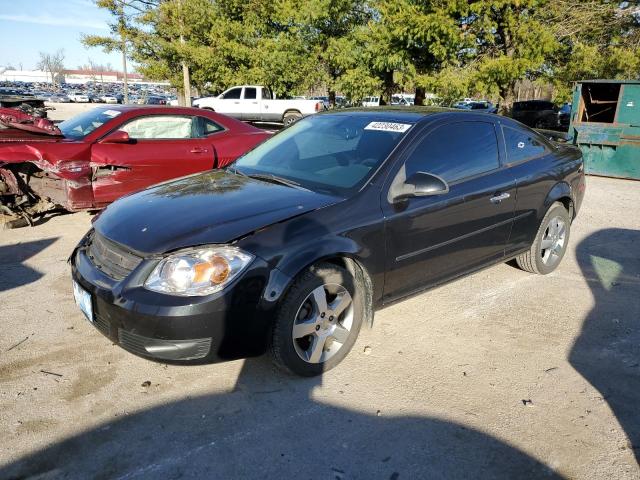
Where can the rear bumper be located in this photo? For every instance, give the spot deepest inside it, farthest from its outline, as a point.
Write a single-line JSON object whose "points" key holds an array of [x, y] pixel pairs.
{"points": [[224, 326]]}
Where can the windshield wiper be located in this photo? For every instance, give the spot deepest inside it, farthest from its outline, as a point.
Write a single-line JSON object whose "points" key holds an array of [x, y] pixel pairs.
{"points": [[269, 177]]}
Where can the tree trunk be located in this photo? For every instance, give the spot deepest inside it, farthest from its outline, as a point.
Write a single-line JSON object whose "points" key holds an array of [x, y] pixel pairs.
{"points": [[420, 93], [389, 87], [507, 93], [332, 98]]}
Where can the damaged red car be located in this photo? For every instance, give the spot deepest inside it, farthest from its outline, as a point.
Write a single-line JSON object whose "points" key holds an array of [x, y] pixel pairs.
{"points": [[98, 156]]}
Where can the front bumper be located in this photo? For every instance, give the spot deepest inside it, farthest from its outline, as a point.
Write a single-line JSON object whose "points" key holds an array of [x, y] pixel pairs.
{"points": [[227, 325]]}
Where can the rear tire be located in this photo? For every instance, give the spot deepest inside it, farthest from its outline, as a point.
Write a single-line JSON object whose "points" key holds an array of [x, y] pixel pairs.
{"points": [[318, 321], [550, 243], [290, 118]]}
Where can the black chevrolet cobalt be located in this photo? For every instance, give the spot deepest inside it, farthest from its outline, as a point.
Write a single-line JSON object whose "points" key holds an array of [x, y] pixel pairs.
{"points": [[295, 245]]}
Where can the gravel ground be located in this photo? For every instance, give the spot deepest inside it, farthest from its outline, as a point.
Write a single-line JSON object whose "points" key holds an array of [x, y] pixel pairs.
{"points": [[502, 374], [63, 111]]}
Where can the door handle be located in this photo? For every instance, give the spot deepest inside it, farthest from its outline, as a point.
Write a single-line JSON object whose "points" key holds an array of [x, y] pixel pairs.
{"points": [[500, 197], [198, 150]]}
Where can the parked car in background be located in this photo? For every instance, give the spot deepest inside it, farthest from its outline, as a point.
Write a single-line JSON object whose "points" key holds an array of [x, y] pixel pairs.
{"points": [[110, 151], [255, 103], [324, 100], [477, 106], [564, 116], [152, 100], [536, 113], [403, 99], [79, 97], [109, 98], [365, 208], [371, 101], [58, 98]]}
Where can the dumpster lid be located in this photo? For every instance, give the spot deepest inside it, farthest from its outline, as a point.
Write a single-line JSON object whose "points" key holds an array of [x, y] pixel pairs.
{"points": [[610, 81]]}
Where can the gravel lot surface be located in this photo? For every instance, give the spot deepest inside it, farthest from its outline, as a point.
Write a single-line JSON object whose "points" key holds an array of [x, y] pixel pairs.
{"points": [[502, 374]]}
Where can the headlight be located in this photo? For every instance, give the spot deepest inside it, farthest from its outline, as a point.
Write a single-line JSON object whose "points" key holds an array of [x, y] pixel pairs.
{"points": [[198, 272]]}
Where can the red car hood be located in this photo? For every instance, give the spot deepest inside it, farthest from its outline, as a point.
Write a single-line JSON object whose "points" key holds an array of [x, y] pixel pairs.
{"points": [[17, 135], [17, 146]]}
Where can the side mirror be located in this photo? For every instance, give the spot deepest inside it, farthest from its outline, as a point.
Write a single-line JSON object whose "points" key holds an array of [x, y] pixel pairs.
{"points": [[119, 136], [422, 184]]}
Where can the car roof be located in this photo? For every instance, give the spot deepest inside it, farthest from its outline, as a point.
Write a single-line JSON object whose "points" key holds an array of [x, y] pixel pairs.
{"points": [[154, 108], [412, 114]]}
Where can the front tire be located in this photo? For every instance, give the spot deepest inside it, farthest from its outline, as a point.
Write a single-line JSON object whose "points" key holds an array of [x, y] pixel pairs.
{"points": [[318, 321], [550, 243]]}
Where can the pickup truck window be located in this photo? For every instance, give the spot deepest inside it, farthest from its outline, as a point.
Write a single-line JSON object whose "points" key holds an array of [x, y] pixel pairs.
{"points": [[522, 145], [233, 94], [456, 151], [335, 154], [160, 127], [250, 93], [266, 94]]}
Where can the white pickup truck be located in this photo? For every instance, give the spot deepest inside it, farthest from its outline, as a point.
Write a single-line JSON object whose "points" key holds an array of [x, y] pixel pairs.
{"points": [[255, 103]]}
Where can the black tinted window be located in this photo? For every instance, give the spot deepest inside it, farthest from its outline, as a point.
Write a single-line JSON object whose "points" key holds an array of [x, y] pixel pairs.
{"points": [[456, 151], [250, 93], [209, 126], [233, 93], [522, 145]]}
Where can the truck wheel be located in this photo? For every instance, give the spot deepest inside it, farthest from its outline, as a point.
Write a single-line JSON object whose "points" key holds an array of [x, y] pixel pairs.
{"points": [[318, 321], [290, 118], [550, 243]]}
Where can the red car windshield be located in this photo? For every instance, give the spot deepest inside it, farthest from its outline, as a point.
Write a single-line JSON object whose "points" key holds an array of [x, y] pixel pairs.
{"points": [[82, 125]]}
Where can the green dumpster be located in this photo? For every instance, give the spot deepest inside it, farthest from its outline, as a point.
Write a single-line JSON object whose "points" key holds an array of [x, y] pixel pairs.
{"points": [[605, 124]]}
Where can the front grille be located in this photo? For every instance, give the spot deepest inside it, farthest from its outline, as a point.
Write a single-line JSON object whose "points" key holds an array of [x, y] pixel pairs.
{"points": [[110, 258], [102, 325]]}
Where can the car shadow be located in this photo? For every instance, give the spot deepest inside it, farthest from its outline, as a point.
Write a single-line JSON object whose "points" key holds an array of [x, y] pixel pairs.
{"points": [[271, 426], [607, 351], [12, 257]]}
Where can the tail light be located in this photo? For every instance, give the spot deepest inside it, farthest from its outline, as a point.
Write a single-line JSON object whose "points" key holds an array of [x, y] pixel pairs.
{"points": [[319, 106]]}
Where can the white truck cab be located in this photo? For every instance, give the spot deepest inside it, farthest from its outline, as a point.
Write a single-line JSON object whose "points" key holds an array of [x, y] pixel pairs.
{"points": [[255, 103]]}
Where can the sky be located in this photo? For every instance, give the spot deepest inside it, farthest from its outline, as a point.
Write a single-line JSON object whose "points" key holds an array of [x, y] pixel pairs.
{"points": [[31, 26]]}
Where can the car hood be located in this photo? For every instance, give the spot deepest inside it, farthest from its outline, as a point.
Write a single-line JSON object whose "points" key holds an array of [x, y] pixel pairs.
{"points": [[211, 208]]}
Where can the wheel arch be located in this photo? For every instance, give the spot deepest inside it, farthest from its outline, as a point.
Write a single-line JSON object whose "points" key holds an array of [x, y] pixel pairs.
{"points": [[343, 259], [291, 110], [561, 192]]}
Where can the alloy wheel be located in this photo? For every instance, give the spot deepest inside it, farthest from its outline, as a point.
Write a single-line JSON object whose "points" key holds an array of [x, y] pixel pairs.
{"points": [[323, 323], [553, 241]]}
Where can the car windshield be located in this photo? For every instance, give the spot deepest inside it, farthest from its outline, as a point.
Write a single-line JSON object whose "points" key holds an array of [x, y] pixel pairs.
{"points": [[331, 153], [82, 125]]}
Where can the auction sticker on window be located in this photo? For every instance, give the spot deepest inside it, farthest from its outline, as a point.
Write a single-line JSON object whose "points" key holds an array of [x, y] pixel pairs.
{"points": [[388, 127], [111, 113]]}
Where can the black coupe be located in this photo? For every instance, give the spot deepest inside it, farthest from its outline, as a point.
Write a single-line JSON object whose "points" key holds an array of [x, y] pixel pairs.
{"points": [[295, 245]]}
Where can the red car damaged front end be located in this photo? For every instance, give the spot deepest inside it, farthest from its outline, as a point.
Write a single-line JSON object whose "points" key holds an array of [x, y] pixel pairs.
{"points": [[39, 173]]}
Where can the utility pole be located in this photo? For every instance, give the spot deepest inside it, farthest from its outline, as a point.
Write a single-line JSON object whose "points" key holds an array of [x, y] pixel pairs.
{"points": [[124, 69]]}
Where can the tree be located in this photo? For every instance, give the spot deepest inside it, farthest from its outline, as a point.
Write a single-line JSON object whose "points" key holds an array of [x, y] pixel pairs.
{"points": [[123, 11], [52, 63], [598, 39]]}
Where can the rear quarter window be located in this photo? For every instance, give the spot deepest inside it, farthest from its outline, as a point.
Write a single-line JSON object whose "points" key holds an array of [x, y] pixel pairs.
{"points": [[522, 145]]}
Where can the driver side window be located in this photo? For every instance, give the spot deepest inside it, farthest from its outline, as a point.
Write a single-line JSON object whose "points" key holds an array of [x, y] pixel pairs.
{"points": [[456, 151], [160, 127]]}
